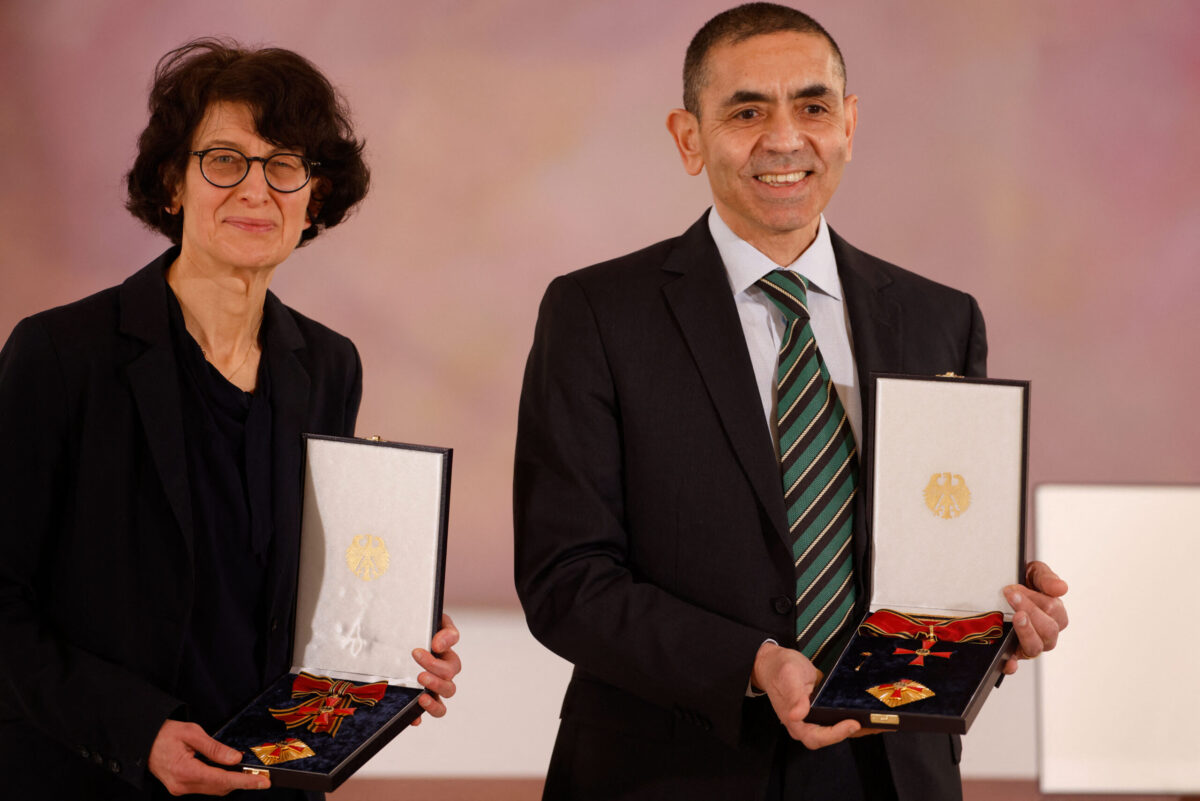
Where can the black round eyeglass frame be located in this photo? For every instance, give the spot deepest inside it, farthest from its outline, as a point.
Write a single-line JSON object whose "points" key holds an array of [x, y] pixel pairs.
{"points": [[308, 168]]}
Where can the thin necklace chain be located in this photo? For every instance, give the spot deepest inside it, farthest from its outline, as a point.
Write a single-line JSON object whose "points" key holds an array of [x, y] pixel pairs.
{"points": [[245, 358], [238, 369]]}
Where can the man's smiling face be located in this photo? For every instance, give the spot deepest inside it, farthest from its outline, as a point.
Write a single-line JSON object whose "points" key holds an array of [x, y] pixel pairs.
{"points": [[774, 134]]}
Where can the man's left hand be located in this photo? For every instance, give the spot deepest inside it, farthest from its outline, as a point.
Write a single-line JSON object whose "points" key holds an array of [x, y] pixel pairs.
{"points": [[1038, 612]]}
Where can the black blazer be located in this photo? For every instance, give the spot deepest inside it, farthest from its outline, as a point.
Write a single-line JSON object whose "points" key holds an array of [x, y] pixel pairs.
{"points": [[96, 525], [650, 526]]}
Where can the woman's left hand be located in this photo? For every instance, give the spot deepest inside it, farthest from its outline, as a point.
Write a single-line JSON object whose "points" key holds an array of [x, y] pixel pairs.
{"points": [[441, 667]]}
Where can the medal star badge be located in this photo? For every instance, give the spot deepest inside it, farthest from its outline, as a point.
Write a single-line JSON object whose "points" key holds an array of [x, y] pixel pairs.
{"points": [[947, 495], [899, 693], [283, 751]]}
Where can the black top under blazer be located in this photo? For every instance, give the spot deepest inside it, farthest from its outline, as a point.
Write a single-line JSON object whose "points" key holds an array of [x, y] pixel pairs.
{"points": [[651, 546], [96, 579]]}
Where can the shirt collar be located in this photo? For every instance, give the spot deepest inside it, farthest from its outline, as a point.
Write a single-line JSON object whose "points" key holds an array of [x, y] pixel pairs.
{"points": [[745, 264]]}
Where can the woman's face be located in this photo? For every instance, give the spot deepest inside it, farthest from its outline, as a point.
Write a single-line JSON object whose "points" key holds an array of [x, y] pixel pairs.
{"points": [[245, 227]]}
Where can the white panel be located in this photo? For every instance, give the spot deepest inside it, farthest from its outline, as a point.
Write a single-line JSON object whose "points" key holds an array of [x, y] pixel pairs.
{"points": [[1119, 698], [368, 559], [931, 430]]}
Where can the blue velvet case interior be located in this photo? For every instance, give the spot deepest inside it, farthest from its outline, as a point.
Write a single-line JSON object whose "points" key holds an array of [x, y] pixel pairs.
{"points": [[952, 679], [256, 726]]}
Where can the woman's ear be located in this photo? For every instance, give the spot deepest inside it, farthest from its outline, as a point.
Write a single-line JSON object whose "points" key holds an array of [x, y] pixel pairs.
{"points": [[173, 183], [320, 191]]}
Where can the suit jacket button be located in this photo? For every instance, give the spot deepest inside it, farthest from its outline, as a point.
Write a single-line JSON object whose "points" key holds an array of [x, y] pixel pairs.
{"points": [[274, 624], [782, 604], [114, 766], [97, 759], [84, 752]]}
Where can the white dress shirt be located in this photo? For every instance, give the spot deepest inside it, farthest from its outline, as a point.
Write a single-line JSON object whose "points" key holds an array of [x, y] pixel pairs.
{"points": [[763, 323]]}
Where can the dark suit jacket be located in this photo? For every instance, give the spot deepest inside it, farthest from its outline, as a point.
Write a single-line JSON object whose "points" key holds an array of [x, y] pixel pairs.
{"points": [[650, 524], [96, 525]]}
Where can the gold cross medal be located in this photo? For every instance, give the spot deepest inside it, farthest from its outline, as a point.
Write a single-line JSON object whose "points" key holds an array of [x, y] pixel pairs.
{"points": [[285, 751], [901, 692]]}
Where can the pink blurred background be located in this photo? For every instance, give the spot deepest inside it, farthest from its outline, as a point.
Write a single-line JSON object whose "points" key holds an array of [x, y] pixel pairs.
{"points": [[1040, 155]]}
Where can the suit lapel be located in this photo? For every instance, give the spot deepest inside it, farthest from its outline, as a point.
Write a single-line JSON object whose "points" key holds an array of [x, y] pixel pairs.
{"points": [[878, 347], [154, 382], [874, 318], [290, 388], [703, 305]]}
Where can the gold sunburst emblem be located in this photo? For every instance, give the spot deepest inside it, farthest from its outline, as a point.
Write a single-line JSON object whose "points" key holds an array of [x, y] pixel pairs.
{"points": [[285, 751], [367, 557], [901, 692], [947, 495]]}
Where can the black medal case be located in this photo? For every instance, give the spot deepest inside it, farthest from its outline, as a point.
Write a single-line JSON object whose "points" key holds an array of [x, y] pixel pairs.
{"points": [[372, 561], [945, 481]]}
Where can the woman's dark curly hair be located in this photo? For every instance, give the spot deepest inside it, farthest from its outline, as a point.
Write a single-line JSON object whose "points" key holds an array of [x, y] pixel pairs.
{"points": [[293, 106]]}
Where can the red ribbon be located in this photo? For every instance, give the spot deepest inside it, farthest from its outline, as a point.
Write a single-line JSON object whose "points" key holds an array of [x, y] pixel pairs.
{"points": [[327, 702], [983, 628]]}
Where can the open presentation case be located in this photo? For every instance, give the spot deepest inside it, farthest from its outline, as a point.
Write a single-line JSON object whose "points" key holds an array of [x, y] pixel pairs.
{"points": [[372, 556], [946, 493]]}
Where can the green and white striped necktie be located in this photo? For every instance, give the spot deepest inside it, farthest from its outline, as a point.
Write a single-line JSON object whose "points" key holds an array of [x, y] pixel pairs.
{"points": [[819, 465]]}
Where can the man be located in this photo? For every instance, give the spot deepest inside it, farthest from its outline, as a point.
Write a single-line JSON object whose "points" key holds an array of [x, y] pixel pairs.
{"points": [[652, 525]]}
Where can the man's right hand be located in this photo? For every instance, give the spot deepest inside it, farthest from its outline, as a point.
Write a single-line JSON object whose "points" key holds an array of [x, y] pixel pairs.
{"points": [[173, 760], [789, 678]]}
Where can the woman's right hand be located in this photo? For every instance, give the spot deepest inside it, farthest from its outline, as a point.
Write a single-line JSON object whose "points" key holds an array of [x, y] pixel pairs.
{"points": [[173, 760]]}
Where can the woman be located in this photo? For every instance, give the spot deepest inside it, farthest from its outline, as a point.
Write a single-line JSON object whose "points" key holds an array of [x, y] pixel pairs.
{"points": [[152, 454]]}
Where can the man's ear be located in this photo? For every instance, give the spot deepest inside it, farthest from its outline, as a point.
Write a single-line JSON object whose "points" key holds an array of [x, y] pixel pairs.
{"points": [[850, 106], [685, 130]]}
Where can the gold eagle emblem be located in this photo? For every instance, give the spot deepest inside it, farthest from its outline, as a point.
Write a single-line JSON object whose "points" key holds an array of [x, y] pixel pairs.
{"points": [[367, 557], [947, 495]]}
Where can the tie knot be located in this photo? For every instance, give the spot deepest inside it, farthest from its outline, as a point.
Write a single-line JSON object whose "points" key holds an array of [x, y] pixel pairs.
{"points": [[788, 291]]}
